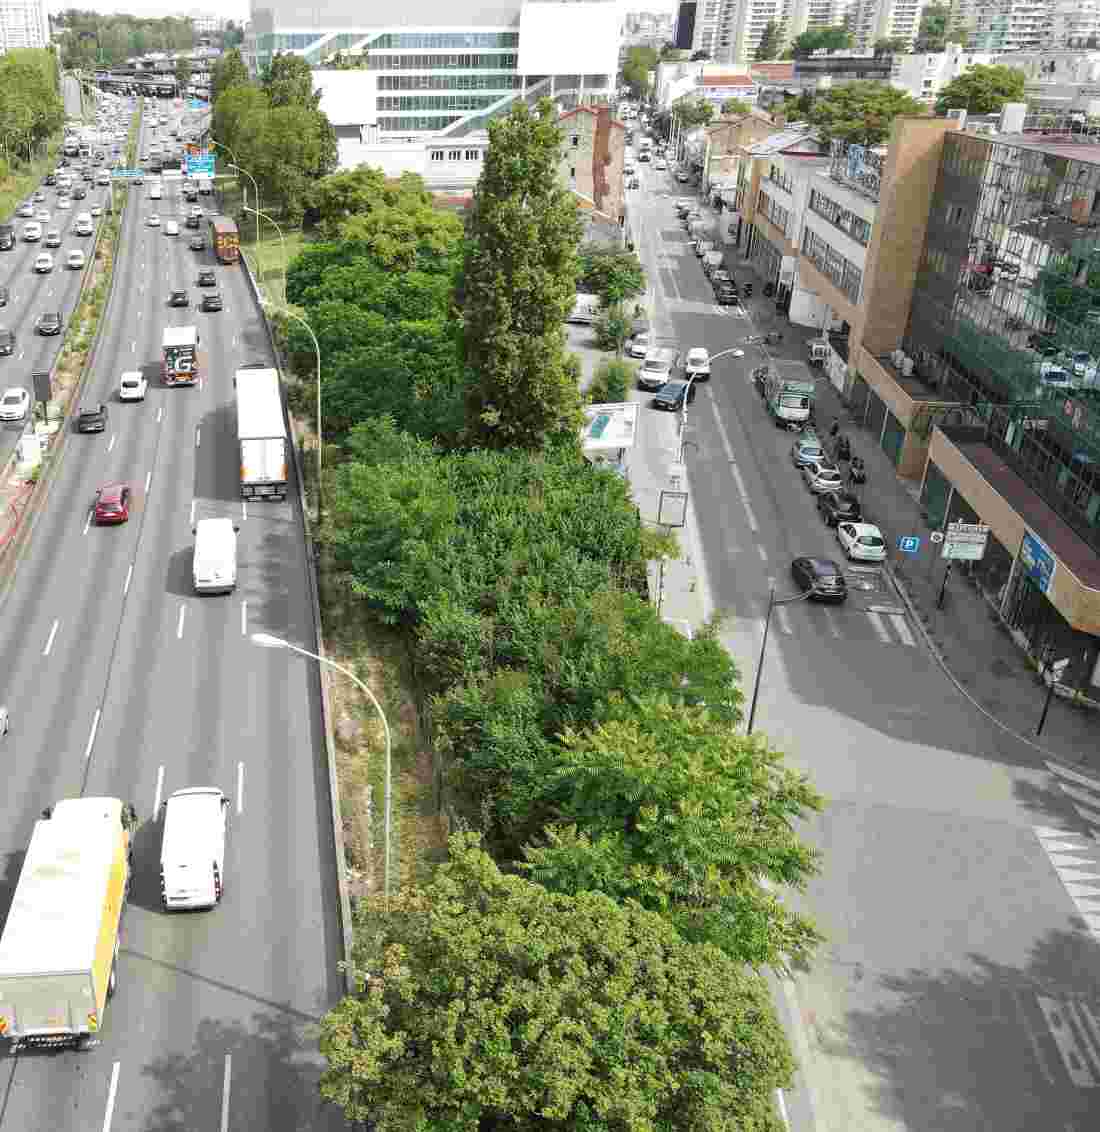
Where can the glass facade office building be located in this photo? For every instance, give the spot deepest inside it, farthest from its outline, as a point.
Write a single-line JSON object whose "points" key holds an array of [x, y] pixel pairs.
{"points": [[1005, 321]]}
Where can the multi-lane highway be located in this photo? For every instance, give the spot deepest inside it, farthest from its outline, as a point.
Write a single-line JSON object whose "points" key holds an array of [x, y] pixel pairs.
{"points": [[958, 988], [121, 681]]}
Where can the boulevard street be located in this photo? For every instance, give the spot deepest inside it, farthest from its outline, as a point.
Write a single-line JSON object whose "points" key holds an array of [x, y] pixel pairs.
{"points": [[959, 985]]}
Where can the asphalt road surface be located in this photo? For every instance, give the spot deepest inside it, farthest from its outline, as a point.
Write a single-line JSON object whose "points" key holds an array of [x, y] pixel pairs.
{"points": [[121, 681], [959, 988]]}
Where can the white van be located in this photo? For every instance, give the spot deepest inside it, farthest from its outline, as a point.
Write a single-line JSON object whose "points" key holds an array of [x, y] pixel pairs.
{"points": [[215, 565], [192, 853], [154, 191], [82, 225]]}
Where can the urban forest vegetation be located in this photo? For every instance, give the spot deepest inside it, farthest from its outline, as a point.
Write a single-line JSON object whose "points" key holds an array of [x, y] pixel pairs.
{"points": [[691, 111], [935, 30], [90, 40], [31, 109], [835, 38], [737, 106], [771, 42], [982, 90], [860, 112], [638, 63], [616, 893]]}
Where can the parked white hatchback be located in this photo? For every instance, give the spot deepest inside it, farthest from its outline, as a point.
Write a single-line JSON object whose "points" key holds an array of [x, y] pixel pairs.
{"points": [[14, 404], [132, 386], [697, 364], [862, 541]]}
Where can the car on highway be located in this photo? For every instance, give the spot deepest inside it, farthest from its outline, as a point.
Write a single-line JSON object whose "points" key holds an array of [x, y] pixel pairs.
{"points": [[39, 196], [96, 210], [26, 210], [43, 264], [132, 386], [207, 277], [211, 301], [15, 404], [671, 395], [697, 363], [690, 217], [171, 228], [720, 277], [822, 475], [7, 341], [5, 296], [839, 507], [112, 503], [42, 215], [725, 295], [197, 244], [92, 418], [75, 260], [64, 203], [682, 177], [807, 449], [153, 221], [862, 541], [821, 578], [80, 192], [192, 222], [32, 231], [660, 164], [179, 297], [48, 323], [50, 179]]}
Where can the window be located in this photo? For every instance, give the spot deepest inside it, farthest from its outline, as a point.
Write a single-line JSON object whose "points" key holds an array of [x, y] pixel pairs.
{"points": [[573, 172], [844, 275], [575, 140], [454, 155], [847, 221], [473, 155], [437, 155]]}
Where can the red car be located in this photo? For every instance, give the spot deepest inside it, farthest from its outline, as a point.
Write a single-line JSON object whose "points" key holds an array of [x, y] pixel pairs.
{"points": [[112, 503]]}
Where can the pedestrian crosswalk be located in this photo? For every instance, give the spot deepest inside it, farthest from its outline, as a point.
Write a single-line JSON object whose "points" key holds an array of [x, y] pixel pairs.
{"points": [[885, 625], [1074, 1026]]}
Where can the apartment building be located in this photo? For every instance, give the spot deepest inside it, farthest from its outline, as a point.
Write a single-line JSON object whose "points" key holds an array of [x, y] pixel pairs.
{"points": [[925, 75], [1072, 23], [1002, 25], [872, 20], [23, 23], [591, 160], [729, 31]]}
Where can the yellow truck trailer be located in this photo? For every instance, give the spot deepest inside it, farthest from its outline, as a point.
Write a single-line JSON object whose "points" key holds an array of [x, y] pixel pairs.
{"points": [[60, 942]]}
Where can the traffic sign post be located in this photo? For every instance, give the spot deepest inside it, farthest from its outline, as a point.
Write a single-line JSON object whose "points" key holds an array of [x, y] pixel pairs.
{"points": [[965, 541], [201, 165], [909, 544]]}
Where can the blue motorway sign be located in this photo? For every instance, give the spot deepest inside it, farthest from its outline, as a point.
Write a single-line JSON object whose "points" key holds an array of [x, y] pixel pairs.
{"points": [[196, 104], [1039, 564], [127, 174], [909, 544], [200, 165]]}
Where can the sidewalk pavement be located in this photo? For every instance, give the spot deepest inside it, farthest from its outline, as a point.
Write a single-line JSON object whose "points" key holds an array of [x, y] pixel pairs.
{"points": [[978, 652]]}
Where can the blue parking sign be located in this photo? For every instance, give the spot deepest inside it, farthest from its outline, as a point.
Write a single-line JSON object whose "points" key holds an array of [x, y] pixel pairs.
{"points": [[909, 544]]}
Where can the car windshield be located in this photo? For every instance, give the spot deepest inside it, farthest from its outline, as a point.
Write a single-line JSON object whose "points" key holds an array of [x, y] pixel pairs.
{"points": [[11, 398], [870, 540], [828, 474], [812, 451]]}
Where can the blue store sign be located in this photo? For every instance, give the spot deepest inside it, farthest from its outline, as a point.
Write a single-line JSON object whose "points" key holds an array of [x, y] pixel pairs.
{"points": [[1039, 564]]}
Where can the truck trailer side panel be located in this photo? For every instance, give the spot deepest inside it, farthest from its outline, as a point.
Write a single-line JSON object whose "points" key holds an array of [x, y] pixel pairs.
{"points": [[261, 434]]}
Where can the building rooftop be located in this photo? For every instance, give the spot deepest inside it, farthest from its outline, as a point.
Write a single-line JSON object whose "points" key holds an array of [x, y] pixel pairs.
{"points": [[1078, 147], [799, 134], [609, 429]]}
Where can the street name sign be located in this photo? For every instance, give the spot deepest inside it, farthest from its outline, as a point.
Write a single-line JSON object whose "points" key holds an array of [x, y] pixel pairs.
{"points": [[965, 541]]}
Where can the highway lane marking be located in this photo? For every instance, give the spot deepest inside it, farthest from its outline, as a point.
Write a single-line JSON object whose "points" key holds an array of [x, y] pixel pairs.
{"points": [[112, 1093], [111, 444], [240, 788], [133, 347], [198, 436], [91, 736], [225, 1093], [781, 1101], [179, 624], [244, 508], [160, 414], [880, 628], [49, 640], [244, 618], [148, 480], [192, 512], [738, 479], [129, 575], [762, 552], [88, 521], [784, 617], [831, 621], [901, 627], [159, 791]]}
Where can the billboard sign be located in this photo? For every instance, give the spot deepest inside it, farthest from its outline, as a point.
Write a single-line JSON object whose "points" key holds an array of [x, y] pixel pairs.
{"points": [[200, 165], [965, 541], [1039, 564]]}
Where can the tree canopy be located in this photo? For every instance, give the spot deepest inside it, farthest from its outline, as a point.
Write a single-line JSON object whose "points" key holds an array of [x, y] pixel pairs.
{"points": [[834, 38], [89, 39], [614, 274], [860, 112], [891, 45], [637, 64], [690, 111], [935, 30], [488, 1001], [228, 71], [519, 283], [736, 106], [982, 89], [31, 108], [771, 41]]}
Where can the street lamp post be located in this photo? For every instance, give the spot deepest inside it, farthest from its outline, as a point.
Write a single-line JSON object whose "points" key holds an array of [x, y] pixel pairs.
{"points": [[267, 640], [320, 434], [282, 240], [256, 188], [773, 601]]}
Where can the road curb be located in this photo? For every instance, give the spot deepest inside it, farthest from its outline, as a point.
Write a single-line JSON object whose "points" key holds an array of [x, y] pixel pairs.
{"points": [[322, 675]]}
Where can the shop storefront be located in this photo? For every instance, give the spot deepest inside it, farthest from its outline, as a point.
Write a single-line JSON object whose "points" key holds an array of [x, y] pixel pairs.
{"points": [[765, 257]]}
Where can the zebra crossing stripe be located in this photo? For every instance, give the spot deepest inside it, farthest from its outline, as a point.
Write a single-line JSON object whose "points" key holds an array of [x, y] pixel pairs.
{"points": [[901, 627], [1074, 1058]]}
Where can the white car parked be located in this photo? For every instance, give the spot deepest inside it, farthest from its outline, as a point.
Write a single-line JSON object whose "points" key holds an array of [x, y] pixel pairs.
{"points": [[639, 345], [822, 476], [863, 541], [132, 386], [14, 404], [697, 364]]}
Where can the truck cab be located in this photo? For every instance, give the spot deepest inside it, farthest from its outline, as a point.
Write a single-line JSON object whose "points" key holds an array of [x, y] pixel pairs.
{"points": [[192, 855]]}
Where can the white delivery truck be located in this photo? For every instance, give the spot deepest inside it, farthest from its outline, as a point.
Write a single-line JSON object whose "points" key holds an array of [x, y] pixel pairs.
{"points": [[192, 853], [214, 568], [261, 433], [61, 937]]}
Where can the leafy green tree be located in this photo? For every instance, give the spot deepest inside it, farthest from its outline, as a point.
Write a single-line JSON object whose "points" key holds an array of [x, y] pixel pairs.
{"points": [[341, 195], [486, 1002], [612, 328], [229, 71], [612, 273], [183, 72], [861, 112], [932, 32], [639, 61], [518, 287], [662, 805], [771, 40], [735, 106], [835, 38], [31, 108], [288, 81], [892, 45], [287, 149], [238, 115], [982, 90], [612, 381], [693, 111]]}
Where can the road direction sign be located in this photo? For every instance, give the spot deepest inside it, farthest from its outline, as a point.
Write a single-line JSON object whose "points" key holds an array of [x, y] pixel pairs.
{"points": [[936, 537], [202, 165], [909, 544], [965, 541], [127, 174]]}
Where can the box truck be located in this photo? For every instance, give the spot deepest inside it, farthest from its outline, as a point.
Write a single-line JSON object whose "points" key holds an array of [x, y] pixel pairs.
{"points": [[261, 433], [180, 355], [59, 948]]}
